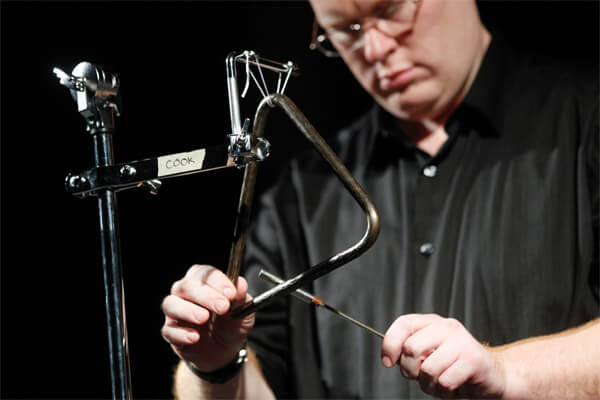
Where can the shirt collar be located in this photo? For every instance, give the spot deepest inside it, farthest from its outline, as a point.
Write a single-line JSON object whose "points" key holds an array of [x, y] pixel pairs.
{"points": [[480, 105], [484, 96]]}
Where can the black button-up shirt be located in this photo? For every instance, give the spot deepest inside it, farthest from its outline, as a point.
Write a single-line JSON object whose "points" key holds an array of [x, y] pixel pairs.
{"points": [[498, 230]]}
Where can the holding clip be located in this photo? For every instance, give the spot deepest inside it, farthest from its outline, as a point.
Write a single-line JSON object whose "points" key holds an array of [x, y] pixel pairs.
{"points": [[244, 147], [96, 93]]}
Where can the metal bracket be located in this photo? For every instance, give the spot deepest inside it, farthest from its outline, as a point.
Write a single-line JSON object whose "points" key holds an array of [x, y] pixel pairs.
{"points": [[245, 148], [147, 172], [96, 93]]}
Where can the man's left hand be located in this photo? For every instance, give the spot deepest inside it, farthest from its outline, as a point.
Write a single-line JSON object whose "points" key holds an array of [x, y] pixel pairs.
{"points": [[443, 357]]}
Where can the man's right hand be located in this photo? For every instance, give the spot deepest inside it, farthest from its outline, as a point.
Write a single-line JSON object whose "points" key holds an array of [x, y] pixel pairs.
{"points": [[197, 321]]}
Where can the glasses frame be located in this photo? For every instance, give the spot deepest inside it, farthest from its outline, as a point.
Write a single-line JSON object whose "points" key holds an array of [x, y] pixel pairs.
{"points": [[317, 40]]}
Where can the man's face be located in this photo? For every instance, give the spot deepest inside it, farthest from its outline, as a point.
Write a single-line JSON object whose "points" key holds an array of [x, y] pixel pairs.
{"points": [[422, 68]]}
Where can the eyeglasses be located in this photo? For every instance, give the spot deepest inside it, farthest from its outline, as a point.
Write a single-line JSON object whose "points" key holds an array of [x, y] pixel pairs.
{"points": [[392, 18]]}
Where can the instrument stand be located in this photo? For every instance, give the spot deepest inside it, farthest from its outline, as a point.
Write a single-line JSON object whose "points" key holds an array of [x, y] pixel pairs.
{"points": [[97, 98], [96, 94], [113, 278]]}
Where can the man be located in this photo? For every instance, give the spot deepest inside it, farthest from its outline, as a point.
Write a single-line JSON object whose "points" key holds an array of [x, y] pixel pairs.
{"points": [[484, 169]]}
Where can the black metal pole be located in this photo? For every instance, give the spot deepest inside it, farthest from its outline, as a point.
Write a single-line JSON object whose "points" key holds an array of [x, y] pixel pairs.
{"points": [[113, 278]]}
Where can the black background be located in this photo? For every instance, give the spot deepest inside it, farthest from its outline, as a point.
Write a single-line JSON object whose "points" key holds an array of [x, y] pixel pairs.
{"points": [[170, 58]]}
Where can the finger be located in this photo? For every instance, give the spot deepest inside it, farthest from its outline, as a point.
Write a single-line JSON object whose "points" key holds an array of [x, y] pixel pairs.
{"points": [[430, 337], [418, 347], [439, 361], [247, 322], [179, 335], [212, 277], [242, 297], [201, 329], [242, 291], [202, 295], [409, 366], [182, 310], [434, 365], [456, 375], [398, 332]]}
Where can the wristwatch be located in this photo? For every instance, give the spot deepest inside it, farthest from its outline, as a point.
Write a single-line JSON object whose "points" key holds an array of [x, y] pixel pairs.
{"points": [[225, 373]]}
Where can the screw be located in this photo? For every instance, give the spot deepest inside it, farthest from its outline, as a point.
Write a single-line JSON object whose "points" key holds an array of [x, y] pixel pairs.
{"points": [[153, 185], [76, 182], [127, 171]]}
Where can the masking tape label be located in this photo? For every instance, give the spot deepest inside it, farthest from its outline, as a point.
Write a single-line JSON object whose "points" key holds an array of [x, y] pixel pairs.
{"points": [[181, 162]]}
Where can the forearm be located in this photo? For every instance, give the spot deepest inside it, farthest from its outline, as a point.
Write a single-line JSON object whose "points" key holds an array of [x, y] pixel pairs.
{"points": [[249, 383], [565, 365]]}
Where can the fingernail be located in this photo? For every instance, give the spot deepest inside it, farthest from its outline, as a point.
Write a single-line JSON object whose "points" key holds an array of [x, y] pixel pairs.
{"points": [[201, 317], [229, 292], [192, 336], [221, 305], [386, 361]]}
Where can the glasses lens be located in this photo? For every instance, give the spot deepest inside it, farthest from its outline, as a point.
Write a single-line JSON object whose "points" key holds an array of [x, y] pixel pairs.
{"points": [[326, 47], [321, 42], [400, 11]]}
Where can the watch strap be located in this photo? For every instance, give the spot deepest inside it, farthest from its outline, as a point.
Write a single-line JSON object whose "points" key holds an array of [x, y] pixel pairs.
{"points": [[225, 373]]}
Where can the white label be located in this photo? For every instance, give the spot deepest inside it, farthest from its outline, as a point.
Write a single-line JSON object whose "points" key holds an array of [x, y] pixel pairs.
{"points": [[180, 162]]}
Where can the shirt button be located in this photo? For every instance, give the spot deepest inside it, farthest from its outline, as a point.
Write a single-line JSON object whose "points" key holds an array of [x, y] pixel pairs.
{"points": [[430, 171], [426, 249]]}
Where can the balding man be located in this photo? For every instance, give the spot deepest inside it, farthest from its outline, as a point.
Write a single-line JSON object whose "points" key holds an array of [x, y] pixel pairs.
{"points": [[484, 168]]}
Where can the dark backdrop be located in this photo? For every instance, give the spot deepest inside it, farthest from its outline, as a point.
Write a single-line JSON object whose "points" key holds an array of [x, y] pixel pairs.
{"points": [[170, 58]]}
